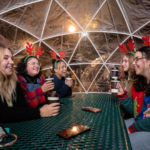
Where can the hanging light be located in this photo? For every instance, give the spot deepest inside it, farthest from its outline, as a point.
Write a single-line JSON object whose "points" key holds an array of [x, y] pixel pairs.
{"points": [[72, 29]]}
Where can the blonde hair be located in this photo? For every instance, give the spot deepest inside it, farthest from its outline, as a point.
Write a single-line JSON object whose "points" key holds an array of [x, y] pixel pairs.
{"points": [[7, 83], [131, 67]]}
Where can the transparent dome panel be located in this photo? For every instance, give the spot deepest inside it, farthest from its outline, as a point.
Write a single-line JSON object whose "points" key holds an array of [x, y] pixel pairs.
{"points": [[34, 17], [66, 43], [59, 22], [102, 82], [77, 86], [85, 52], [135, 13], [86, 73], [102, 21], [14, 38], [82, 10]]}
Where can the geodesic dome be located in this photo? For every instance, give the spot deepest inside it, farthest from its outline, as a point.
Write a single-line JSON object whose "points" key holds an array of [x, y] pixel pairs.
{"points": [[89, 31]]}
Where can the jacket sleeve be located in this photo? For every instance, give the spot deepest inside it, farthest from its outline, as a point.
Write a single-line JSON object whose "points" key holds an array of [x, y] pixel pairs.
{"points": [[20, 112], [140, 125], [17, 114], [126, 102], [62, 91]]}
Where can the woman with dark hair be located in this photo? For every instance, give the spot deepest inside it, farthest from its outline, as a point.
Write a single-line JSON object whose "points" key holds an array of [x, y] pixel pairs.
{"points": [[34, 86], [139, 104], [62, 86], [13, 105]]}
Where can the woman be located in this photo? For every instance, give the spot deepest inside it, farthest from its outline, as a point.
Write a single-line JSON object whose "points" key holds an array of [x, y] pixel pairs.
{"points": [[34, 86], [13, 105], [62, 86], [128, 72], [138, 105], [127, 77]]}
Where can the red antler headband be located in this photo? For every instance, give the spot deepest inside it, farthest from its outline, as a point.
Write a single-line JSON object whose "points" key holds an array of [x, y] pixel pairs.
{"points": [[146, 40], [53, 54], [29, 50], [130, 45]]}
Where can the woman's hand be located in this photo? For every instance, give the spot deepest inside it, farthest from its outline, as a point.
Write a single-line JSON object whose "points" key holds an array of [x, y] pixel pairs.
{"points": [[69, 83], [47, 86], [128, 131], [50, 110], [120, 90]]}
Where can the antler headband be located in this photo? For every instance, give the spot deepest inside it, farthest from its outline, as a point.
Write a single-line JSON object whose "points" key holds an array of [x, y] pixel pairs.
{"points": [[29, 50], [130, 45], [53, 54], [146, 40]]}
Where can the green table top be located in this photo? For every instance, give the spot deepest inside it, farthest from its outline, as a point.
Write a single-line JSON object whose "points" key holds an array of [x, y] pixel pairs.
{"points": [[108, 130]]}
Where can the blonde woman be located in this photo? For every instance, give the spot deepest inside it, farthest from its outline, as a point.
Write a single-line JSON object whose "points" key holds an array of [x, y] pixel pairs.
{"points": [[128, 72], [13, 105]]}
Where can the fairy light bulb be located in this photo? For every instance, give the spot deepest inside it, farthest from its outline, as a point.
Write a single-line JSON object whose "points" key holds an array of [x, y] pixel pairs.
{"points": [[72, 29]]}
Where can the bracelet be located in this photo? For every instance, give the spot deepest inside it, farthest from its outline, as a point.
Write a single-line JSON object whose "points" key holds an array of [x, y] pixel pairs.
{"points": [[10, 143]]}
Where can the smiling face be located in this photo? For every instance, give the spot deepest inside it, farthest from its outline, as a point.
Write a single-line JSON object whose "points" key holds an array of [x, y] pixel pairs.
{"points": [[33, 67], [141, 64], [61, 71], [7, 62], [125, 64]]}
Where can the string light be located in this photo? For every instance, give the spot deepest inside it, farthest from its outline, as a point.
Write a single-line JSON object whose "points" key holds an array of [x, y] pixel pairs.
{"points": [[72, 29]]}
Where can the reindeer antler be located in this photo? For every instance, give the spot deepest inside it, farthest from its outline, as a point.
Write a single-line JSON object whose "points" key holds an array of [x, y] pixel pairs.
{"points": [[131, 45], [39, 51], [146, 40], [62, 54], [53, 54], [123, 48], [29, 48]]}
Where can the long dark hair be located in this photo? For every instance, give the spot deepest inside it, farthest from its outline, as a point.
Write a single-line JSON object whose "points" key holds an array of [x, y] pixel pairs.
{"points": [[22, 67], [141, 83]]}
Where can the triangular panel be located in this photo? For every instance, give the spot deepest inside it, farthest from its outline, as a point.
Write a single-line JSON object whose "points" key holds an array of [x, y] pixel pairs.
{"points": [[3, 5], [136, 14], [18, 3], [143, 31], [121, 38], [85, 52], [34, 17], [24, 53], [76, 84], [102, 21], [138, 43], [14, 16], [106, 43], [117, 17], [31, 17], [118, 54], [65, 43], [101, 83], [86, 73], [13, 37], [81, 10], [59, 22]]}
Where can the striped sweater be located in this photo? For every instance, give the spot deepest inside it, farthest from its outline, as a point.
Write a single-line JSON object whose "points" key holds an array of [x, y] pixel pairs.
{"points": [[137, 106]]}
